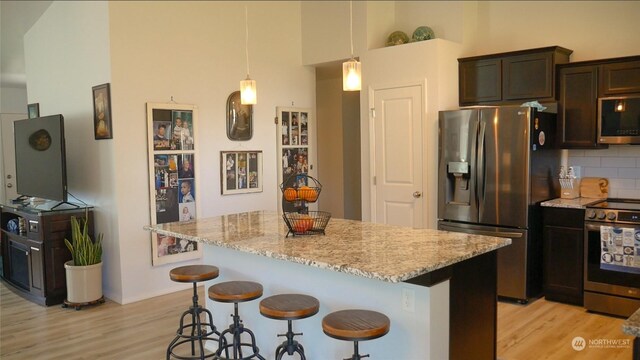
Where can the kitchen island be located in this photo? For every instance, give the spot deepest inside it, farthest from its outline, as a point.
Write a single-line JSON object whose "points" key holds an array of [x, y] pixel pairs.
{"points": [[438, 288]]}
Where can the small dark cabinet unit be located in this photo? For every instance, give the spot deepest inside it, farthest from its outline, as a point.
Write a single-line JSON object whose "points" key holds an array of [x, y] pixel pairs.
{"points": [[563, 254], [509, 78], [620, 78], [32, 261]]}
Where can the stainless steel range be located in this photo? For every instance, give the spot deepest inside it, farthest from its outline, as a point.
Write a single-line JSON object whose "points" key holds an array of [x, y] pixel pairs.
{"points": [[612, 257]]}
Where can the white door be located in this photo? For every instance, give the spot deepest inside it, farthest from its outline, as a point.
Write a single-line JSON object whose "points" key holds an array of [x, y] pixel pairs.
{"points": [[398, 156], [8, 156]]}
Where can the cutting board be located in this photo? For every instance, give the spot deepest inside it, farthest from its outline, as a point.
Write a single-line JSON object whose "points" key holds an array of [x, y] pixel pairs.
{"points": [[593, 187]]}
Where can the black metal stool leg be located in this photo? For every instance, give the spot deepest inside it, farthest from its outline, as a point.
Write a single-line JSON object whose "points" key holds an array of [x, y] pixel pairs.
{"points": [[236, 329], [356, 353], [199, 332], [290, 346]]}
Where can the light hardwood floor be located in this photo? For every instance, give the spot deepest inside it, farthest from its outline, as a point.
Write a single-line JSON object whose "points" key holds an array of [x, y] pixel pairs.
{"points": [[142, 330]]}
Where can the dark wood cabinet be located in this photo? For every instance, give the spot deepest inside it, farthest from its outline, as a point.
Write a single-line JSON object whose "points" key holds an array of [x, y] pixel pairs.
{"points": [[563, 254], [33, 260], [482, 81], [577, 107], [620, 78], [528, 76], [580, 85], [510, 78]]}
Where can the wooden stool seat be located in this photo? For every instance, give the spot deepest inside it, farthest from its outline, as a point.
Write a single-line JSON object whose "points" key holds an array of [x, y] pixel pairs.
{"points": [[355, 325], [235, 291], [289, 306], [194, 273]]}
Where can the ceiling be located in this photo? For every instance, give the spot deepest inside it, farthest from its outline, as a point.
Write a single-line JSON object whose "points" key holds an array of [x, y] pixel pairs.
{"points": [[16, 18]]}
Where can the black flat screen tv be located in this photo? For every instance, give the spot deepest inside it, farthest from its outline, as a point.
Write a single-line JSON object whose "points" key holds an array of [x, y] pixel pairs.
{"points": [[40, 157]]}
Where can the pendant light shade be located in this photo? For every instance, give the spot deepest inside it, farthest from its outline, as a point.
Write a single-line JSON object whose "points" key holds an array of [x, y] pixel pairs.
{"points": [[248, 89], [351, 77]]}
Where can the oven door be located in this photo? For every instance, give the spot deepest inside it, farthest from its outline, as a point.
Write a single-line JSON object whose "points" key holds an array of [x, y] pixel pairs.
{"points": [[598, 276]]}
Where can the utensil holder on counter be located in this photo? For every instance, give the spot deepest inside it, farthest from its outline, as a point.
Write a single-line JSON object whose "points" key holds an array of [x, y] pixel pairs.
{"points": [[570, 188]]}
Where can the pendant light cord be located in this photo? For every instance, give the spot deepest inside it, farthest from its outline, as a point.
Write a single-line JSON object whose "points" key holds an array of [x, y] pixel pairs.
{"points": [[246, 40], [351, 25]]}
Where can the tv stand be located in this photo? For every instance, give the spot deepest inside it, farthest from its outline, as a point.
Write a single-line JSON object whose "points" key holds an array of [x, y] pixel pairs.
{"points": [[32, 260]]}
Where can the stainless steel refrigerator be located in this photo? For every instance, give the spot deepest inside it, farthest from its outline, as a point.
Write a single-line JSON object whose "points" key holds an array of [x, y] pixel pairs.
{"points": [[495, 166]]}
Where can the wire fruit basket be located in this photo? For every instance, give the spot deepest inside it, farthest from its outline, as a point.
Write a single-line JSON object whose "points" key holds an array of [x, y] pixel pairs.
{"points": [[310, 223]]}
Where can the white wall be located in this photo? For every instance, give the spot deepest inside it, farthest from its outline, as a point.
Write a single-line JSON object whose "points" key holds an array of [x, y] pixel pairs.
{"points": [[592, 29], [194, 51], [445, 18], [325, 30], [330, 133], [66, 53], [13, 100]]}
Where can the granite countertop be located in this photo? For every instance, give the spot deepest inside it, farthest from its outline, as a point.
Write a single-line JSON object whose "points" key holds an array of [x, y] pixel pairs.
{"points": [[577, 203], [377, 251], [631, 326]]}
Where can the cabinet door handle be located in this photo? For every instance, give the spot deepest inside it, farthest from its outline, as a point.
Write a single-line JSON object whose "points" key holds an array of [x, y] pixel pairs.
{"points": [[26, 253], [34, 248]]}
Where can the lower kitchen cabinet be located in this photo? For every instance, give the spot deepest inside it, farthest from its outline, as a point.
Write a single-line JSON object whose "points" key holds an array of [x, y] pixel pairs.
{"points": [[563, 255]]}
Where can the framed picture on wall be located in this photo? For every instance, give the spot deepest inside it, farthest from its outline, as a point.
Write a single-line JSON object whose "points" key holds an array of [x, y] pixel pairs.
{"points": [[241, 172], [33, 110], [173, 181], [102, 112]]}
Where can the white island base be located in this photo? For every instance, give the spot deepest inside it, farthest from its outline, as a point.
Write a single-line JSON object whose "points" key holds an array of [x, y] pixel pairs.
{"points": [[419, 319]]}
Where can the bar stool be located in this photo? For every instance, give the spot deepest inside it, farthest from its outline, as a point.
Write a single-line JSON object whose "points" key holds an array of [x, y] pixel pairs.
{"points": [[236, 292], [289, 307], [355, 325], [200, 330]]}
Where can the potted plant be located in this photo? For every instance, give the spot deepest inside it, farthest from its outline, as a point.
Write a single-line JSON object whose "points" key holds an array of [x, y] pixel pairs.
{"points": [[84, 271]]}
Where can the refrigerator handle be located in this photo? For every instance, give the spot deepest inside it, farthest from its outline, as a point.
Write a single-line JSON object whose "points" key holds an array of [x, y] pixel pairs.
{"points": [[480, 169]]}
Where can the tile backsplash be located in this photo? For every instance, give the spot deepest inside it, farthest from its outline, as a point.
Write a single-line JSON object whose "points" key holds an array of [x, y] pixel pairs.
{"points": [[620, 164]]}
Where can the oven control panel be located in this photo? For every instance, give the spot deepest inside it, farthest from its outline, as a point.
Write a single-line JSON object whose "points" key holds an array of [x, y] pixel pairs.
{"points": [[607, 215]]}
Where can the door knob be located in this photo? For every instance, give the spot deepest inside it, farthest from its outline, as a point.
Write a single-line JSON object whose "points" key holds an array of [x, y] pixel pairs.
{"points": [[9, 185], [417, 194]]}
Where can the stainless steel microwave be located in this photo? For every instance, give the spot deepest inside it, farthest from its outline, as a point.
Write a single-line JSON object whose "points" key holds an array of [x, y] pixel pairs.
{"points": [[619, 120]]}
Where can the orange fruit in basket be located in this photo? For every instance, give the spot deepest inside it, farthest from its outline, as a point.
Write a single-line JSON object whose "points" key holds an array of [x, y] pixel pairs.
{"points": [[307, 222], [302, 223], [308, 194], [290, 194]]}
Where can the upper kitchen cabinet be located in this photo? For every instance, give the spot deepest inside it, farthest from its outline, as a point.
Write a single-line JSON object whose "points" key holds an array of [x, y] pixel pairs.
{"points": [[580, 84], [577, 108], [512, 77], [620, 78], [482, 81]]}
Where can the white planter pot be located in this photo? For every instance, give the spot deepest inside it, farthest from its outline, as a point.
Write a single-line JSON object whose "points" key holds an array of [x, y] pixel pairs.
{"points": [[84, 283]]}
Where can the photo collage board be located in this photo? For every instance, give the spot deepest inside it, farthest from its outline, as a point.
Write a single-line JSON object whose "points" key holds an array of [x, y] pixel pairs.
{"points": [[295, 151], [241, 172], [295, 129], [173, 190]]}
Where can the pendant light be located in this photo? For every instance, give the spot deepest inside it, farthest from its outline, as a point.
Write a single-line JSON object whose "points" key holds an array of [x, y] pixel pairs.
{"points": [[351, 78], [248, 91]]}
